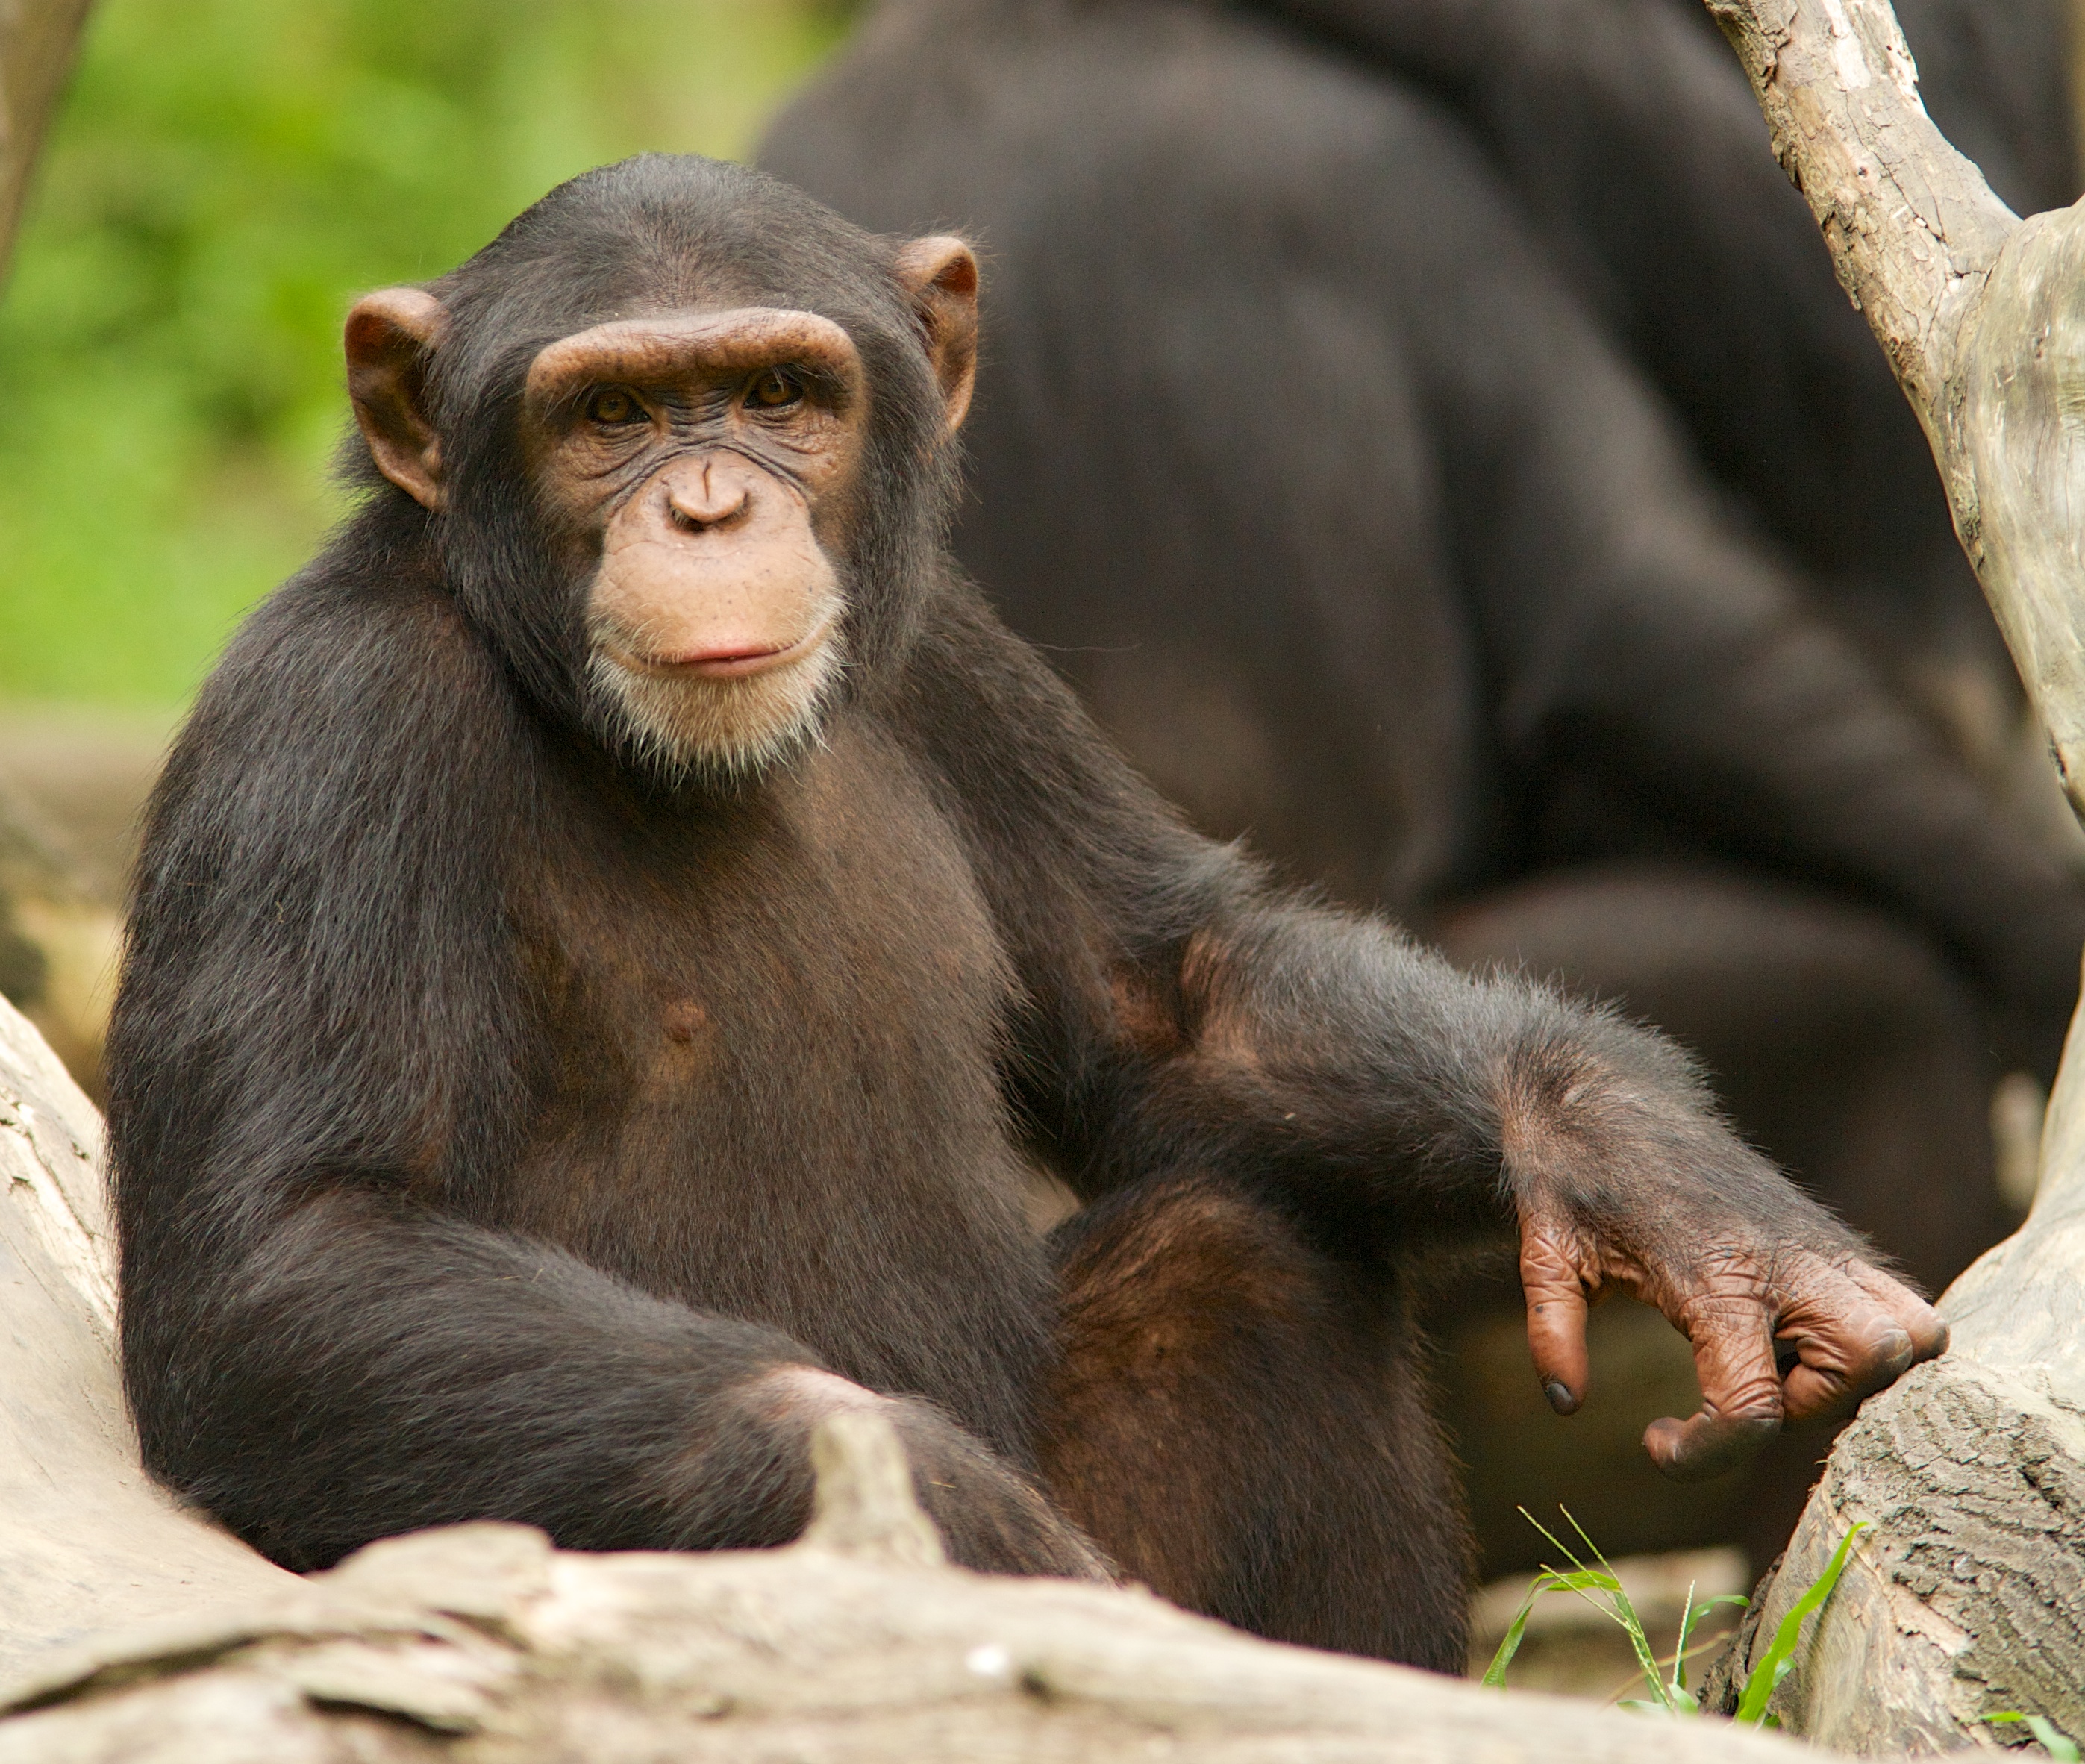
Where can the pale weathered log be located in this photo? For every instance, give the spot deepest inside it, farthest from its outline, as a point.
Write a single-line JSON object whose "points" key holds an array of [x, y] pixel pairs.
{"points": [[38, 40], [482, 1643], [1978, 313], [1967, 1595], [86, 1541]]}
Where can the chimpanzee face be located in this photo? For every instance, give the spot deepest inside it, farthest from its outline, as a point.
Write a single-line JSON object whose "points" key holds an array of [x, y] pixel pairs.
{"points": [[706, 463], [699, 471]]}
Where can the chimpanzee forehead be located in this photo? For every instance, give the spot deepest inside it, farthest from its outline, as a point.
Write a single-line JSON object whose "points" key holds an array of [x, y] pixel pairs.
{"points": [[662, 235]]}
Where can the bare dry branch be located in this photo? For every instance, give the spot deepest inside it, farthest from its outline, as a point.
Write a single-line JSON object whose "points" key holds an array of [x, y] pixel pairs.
{"points": [[1968, 1595], [37, 39]]}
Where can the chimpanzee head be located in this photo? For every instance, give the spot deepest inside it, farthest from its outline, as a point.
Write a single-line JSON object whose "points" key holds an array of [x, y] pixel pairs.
{"points": [[683, 438]]}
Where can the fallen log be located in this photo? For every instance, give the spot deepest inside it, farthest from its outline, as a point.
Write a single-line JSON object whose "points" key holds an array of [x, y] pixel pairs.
{"points": [[1967, 1594], [481, 1642], [87, 1541]]}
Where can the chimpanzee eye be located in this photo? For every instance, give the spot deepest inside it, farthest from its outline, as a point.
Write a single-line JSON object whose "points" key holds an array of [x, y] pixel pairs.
{"points": [[612, 407], [774, 389]]}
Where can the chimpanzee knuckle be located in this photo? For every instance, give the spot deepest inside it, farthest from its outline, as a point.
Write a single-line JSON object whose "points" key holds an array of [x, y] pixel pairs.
{"points": [[1757, 1397], [1546, 1260]]}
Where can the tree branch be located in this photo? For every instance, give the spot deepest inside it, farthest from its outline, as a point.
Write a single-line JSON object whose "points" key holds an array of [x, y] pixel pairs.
{"points": [[1976, 311], [1968, 1596], [37, 39]]}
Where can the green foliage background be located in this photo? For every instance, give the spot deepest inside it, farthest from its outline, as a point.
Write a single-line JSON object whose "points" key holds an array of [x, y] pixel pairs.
{"points": [[225, 177]]}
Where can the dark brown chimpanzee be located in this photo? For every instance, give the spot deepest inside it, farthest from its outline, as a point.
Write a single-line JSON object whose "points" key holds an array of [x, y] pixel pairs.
{"points": [[617, 927], [1429, 435]]}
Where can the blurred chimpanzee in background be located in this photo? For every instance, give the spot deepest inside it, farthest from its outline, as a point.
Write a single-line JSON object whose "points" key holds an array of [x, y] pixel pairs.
{"points": [[1430, 435]]}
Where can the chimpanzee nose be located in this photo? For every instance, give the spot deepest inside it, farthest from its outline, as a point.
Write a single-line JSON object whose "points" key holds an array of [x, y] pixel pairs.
{"points": [[706, 492]]}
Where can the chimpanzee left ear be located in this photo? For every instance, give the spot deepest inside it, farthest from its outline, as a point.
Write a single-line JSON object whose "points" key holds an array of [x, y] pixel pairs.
{"points": [[941, 275]]}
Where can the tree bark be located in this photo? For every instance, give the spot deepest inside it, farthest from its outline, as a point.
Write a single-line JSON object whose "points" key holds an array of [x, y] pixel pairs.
{"points": [[37, 39], [1967, 1595]]}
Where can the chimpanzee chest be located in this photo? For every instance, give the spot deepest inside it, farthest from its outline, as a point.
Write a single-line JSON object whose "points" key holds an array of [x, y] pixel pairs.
{"points": [[773, 1092]]}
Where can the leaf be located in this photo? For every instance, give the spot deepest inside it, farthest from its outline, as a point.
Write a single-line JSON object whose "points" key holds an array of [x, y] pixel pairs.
{"points": [[1779, 1659]]}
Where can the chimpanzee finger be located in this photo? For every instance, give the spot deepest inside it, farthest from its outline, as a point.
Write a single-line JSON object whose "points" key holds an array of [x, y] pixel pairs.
{"points": [[1741, 1400], [1705, 1445], [1855, 1330], [1556, 1317]]}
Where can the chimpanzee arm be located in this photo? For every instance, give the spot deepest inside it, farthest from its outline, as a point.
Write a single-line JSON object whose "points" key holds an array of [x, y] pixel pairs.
{"points": [[315, 1066], [1183, 1014]]}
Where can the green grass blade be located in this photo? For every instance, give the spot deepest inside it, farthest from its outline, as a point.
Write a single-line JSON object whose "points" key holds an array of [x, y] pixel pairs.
{"points": [[1779, 1659], [2050, 1737], [1678, 1685], [1618, 1609], [1549, 1580], [1495, 1673], [1626, 1614]]}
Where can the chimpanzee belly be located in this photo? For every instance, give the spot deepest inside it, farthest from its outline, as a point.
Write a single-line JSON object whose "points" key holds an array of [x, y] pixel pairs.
{"points": [[785, 1110]]}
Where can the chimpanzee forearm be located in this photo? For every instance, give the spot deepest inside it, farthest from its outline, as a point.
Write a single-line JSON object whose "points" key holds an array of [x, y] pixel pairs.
{"points": [[1330, 1054], [1210, 1019], [1323, 1060], [430, 1371]]}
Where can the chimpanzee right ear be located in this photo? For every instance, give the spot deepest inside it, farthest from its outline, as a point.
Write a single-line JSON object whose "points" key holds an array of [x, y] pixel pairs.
{"points": [[391, 339]]}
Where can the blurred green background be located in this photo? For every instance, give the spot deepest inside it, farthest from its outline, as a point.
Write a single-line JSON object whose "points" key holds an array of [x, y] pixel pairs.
{"points": [[225, 175]]}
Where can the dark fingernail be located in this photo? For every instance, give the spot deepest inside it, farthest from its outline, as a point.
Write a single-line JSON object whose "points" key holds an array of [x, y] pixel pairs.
{"points": [[1560, 1396]]}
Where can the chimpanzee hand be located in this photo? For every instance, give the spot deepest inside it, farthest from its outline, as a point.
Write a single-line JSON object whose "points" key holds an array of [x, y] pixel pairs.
{"points": [[1739, 1260]]}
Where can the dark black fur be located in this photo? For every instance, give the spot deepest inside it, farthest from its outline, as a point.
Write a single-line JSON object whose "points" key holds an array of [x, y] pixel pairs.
{"points": [[1629, 137], [426, 1216]]}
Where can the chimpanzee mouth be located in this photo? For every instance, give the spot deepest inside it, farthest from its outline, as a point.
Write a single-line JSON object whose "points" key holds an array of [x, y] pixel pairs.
{"points": [[729, 720]]}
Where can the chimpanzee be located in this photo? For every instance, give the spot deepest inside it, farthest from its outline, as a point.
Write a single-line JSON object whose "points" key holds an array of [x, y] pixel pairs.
{"points": [[1334, 441], [1627, 136], [615, 930]]}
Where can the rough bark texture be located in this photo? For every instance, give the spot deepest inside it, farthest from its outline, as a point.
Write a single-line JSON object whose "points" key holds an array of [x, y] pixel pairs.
{"points": [[37, 38], [1968, 1596]]}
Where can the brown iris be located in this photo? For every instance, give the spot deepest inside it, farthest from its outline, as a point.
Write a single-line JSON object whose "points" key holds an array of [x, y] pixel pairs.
{"points": [[774, 389], [611, 406]]}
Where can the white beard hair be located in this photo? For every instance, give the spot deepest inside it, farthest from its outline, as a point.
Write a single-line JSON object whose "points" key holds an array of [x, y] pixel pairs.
{"points": [[727, 729]]}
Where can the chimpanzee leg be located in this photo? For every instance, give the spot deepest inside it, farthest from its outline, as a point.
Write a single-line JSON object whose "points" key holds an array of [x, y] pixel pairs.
{"points": [[1240, 1419]]}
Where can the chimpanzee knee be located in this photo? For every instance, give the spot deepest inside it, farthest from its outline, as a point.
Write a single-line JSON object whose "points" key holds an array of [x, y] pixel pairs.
{"points": [[1240, 1419]]}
